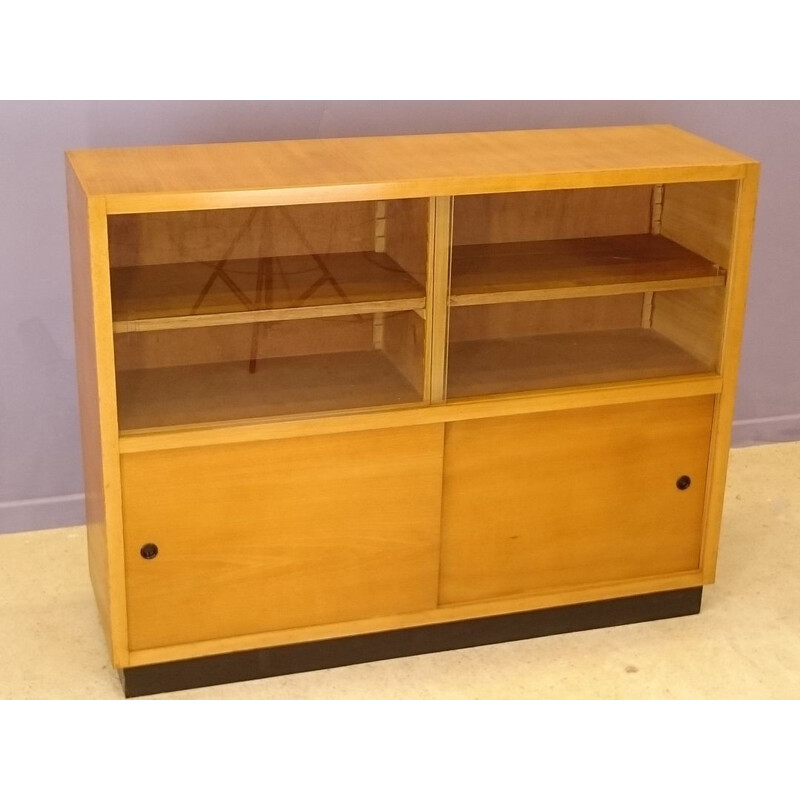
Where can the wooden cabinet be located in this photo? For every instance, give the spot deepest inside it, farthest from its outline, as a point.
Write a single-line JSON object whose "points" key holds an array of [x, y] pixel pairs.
{"points": [[352, 399]]}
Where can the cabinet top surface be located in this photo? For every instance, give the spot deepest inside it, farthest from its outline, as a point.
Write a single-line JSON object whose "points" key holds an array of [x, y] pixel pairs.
{"points": [[315, 170]]}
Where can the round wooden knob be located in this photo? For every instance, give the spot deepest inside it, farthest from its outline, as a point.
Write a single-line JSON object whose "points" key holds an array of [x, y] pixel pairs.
{"points": [[149, 551]]}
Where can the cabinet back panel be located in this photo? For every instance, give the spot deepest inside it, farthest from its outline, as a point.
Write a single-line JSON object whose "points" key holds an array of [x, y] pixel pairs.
{"points": [[571, 498], [511, 320], [223, 234], [561, 214], [256, 385], [223, 343], [270, 535], [406, 235]]}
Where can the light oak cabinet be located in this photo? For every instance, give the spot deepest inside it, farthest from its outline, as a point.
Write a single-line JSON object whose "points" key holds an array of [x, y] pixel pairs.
{"points": [[359, 398]]}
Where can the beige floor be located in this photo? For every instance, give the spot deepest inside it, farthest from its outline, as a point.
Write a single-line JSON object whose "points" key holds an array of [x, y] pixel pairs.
{"points": [[744, 644]]}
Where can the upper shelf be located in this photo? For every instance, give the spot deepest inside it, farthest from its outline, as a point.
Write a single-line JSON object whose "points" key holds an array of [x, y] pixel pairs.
{"points": [[260, 290], [559, 269]]}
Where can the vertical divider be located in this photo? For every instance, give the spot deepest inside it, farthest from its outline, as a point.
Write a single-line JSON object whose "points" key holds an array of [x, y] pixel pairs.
{"points": [[437, 308]]}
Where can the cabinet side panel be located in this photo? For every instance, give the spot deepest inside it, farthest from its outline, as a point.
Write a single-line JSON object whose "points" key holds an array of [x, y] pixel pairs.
{"points": [[700, 216], [738, 278], [97, 405], [86, 365], [692, 318]]}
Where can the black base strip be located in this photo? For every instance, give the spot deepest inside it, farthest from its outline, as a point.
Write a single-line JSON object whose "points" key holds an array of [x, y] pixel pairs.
{"points": [[307, 656]]}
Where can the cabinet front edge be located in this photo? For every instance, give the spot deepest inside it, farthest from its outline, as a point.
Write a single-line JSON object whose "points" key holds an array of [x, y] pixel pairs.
{"points": [[474, 610], [374, 419], [138, 203]]}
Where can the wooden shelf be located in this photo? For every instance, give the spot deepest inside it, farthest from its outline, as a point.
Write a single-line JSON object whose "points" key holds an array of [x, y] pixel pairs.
{"points": [[294, 287], [500, 366], [228, 391], [559, 269]]}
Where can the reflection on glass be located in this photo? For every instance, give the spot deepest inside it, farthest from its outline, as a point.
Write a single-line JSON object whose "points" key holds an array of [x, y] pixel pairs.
{"points": [[579, 286], [242, 313]]}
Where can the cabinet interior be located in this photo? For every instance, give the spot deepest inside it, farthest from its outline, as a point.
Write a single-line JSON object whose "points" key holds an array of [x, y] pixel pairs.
{"points": [[257, 312], [580, 286], [232, 314]]}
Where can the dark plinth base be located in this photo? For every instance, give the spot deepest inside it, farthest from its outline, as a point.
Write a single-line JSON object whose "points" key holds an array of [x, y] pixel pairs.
{"points": [[307, 656]]}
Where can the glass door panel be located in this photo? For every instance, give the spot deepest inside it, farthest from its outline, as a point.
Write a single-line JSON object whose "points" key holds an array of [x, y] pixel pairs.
{"points": [[246, 313], [583, 286]]}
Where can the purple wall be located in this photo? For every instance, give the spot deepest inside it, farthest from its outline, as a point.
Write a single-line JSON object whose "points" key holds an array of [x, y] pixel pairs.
{"points": [[40, 481]]}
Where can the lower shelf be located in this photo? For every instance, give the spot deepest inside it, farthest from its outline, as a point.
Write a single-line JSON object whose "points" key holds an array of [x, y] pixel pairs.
{"points": [[308, 656], [201, 393], [498, 366]]}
